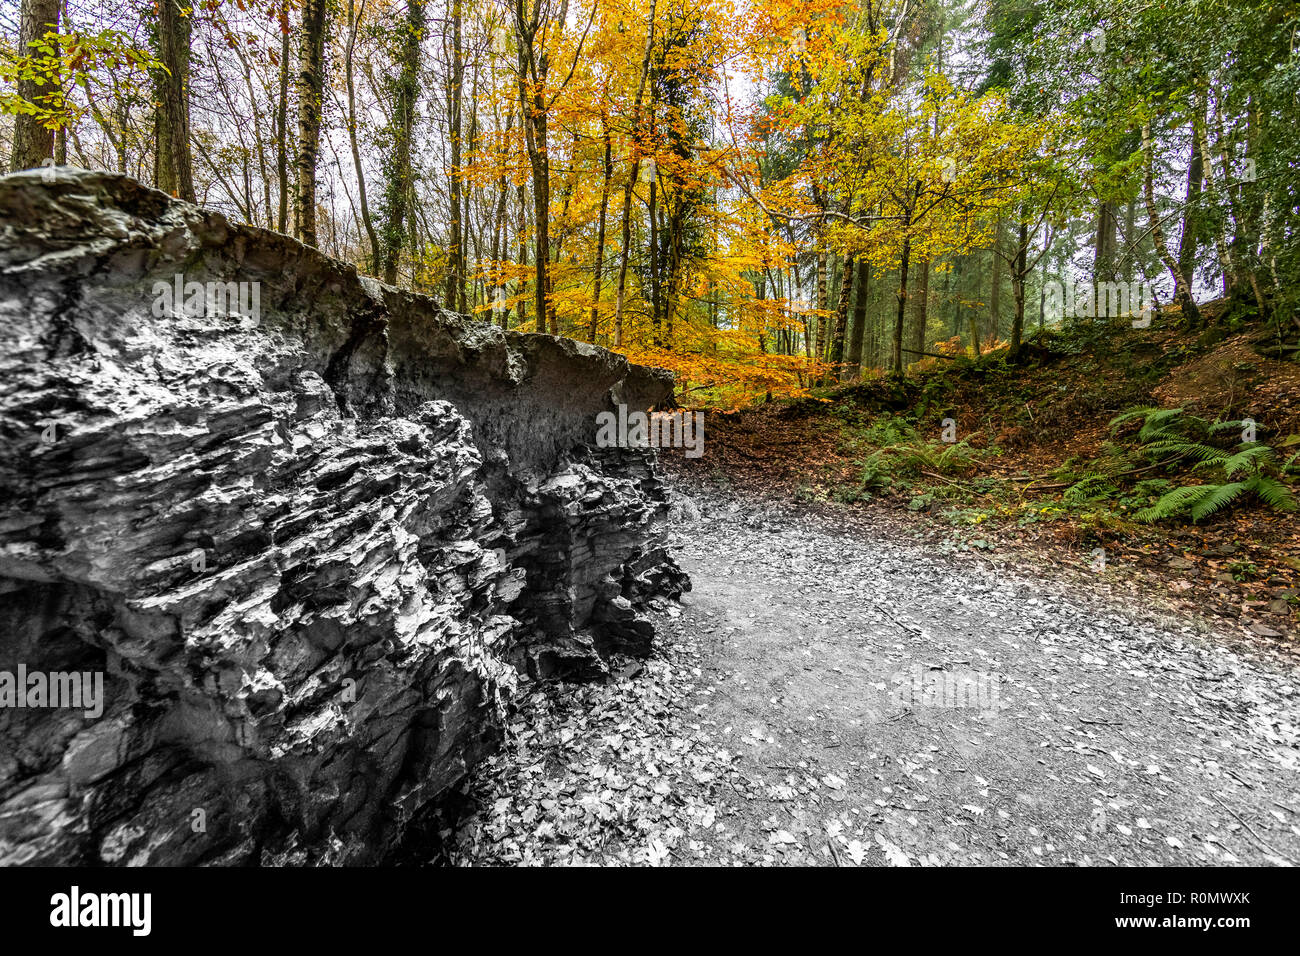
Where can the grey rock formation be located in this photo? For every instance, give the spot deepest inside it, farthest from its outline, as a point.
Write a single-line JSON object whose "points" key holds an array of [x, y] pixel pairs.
{"points": [[312, 540]]}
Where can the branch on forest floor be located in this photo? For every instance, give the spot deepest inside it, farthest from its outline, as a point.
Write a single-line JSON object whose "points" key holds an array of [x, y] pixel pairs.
{"points": [[907, 627]]}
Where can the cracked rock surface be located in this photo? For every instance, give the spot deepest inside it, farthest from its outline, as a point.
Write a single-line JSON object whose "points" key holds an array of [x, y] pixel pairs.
{"points": [[310, 545]]}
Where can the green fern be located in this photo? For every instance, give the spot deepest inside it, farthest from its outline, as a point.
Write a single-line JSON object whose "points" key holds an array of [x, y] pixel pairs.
{"points": [[1131, 414], [1272, 492], [1184, 449], [1160, 422], [1251, 457], [1218, 499], [1234, 426], [1174, 503], [1248, 470]]}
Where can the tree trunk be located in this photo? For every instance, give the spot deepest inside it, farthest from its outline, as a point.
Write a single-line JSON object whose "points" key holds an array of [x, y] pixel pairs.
{"points": [[282, 120], [1183, 291], [822, 302], [401, 179], [857, 336], [175, 173], [521, 196], [534, 115], [600, 230], [1217, 229], [310, 85], [454, 298], [499, 239], [921, 307], [33, 142], [902, 304], [1190, 239], [847, 276], [995, 286], [1103, 261], [631, 180], [654, 265], [1019, 272], [366, 222]]}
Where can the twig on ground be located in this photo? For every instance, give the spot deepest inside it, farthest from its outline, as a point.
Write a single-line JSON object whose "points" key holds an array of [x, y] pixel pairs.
{"points": [[906, 627], [1258, 839], [835, 853]]}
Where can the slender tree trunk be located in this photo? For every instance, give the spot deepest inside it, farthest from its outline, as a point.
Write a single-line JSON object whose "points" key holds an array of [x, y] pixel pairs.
{"points": [[1235, 245], [401, 180], [959, 269], [995, 285], [353, 21], [1019, 272], [282, 120], [1250, 205], [534, 114], [654, 265], [499, 238], [537, 151], [33, 142], [1042, 290], [310, 86], [921, 307], [1103, 261], [468, 233], [600, 230], [822, 301], [454, 298], [1217, 228], [521, 194], [176, 168], [1183, 291], [903, 263], [847, 275], [1190, 240], [859, 319], [797, 284], [628, 189]]}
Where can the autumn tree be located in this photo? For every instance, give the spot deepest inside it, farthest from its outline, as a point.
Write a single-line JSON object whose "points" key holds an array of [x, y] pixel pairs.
{"points": [[33, 139]]}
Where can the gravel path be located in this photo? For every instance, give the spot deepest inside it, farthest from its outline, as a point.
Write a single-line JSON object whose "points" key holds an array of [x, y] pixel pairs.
{"points": [[839, 694]]}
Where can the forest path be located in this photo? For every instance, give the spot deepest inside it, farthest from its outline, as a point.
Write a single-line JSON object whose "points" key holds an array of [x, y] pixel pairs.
{"points": [[835, 694]]}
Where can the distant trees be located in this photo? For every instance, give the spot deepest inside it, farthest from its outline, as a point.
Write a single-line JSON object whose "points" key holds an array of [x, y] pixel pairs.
{"points": [[908, 178]]}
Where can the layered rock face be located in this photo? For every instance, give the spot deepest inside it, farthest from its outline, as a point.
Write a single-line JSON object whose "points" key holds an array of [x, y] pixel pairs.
{"points": [[311, 537]]}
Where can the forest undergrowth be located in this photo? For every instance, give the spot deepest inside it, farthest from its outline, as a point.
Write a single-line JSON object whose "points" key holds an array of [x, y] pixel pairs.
{"points": [[1164, 452]]}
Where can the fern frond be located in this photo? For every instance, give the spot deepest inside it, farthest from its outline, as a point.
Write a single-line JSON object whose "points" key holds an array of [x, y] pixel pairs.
{"points": [[1185, 449], [1131, 414], [1175, 502], [1272, 492], [1253, 455], [1234, 426], [1221, 497], [1158, 421]]}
